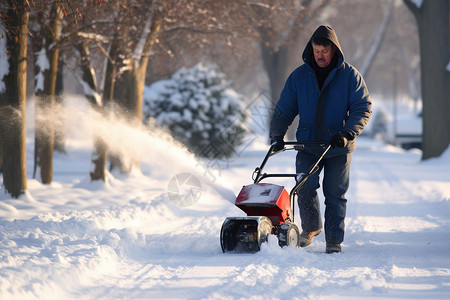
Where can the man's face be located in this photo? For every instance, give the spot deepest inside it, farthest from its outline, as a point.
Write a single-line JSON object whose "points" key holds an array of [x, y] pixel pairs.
{"points": [[323, 55]]}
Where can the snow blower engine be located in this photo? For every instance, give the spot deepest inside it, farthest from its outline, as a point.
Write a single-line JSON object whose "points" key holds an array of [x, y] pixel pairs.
{"points": [[269, 207]]}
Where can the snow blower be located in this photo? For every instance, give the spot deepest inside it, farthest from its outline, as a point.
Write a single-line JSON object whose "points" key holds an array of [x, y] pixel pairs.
{"points": [[269, 207]]}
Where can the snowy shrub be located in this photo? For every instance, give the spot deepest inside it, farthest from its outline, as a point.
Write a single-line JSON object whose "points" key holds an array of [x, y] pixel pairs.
{"points": [[200, 109], [379, 124]]}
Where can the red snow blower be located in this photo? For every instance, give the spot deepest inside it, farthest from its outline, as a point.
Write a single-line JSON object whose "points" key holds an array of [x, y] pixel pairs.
{"points": [[269, 207]]}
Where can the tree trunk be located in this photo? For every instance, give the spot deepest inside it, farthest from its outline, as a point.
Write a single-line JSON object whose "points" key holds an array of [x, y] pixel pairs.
{"points": [[60, 135], [277, 52], [126, 94], [111, 71], [433, 25], [88, 79], [45, 100], [130, 87], [100, 154], [136, 76], [13, 100], [90, 89], [276, 64]]}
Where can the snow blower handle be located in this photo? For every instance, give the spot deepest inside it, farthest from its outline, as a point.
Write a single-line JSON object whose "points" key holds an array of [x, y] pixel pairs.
{"points": [[258, 174]]}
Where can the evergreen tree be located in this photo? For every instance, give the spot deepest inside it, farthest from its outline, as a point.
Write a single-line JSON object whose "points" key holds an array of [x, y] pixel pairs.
{"points": [[200, 109]]}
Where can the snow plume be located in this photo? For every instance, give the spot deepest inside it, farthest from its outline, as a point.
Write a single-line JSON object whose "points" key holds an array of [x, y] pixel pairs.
{"points": [[129, 140], [4, 65]]}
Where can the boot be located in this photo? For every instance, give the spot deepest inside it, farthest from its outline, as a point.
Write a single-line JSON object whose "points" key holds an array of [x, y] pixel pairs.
{"points": [[306, 237], [333, 248]]}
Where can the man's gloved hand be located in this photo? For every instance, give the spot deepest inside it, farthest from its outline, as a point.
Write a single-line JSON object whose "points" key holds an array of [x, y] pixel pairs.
{"points": [[279, 144], [340, 140]]}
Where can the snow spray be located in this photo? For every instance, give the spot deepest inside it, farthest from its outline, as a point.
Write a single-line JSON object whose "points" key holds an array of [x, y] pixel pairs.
{"points": [[158, 153]]}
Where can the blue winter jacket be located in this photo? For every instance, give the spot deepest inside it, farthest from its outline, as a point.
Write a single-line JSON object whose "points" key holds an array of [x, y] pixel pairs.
{"points": [[347, 108]]}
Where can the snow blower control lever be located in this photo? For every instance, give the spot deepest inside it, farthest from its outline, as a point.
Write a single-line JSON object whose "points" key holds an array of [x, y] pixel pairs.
{"points": [[268, 206]]}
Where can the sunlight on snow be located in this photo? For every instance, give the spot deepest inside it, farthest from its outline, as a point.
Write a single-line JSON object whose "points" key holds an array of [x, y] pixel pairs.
{"points": [[389, 224]]}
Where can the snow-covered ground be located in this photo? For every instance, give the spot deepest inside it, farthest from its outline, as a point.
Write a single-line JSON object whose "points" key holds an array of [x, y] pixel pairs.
{"points": [[127, 238]]}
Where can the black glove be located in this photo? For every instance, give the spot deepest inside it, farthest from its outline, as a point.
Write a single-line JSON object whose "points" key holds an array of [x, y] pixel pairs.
{"points": [[340, 140], [279, 144]]}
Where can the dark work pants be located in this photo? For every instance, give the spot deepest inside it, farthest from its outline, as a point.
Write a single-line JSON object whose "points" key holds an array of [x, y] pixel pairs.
{"points": [[335, 185]]}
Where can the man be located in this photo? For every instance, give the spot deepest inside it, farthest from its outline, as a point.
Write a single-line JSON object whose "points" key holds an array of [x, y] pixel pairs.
{"points": [[333, 104]]}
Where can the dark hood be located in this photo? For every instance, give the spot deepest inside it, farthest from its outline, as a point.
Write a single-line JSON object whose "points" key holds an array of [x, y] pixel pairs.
{"points": [[325, 32]]}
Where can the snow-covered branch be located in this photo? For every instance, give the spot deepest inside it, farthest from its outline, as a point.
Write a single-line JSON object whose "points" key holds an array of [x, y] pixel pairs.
{"points": [[89, 92], [93, 36], [210, 29], [44, 64], [139, 49]]}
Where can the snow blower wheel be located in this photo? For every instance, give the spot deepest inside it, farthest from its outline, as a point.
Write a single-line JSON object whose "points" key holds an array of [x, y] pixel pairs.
{"points": [[288, 235], [269, 207]]}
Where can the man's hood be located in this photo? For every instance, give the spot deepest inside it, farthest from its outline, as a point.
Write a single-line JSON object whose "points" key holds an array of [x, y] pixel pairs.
{"points": [[325, 32]]}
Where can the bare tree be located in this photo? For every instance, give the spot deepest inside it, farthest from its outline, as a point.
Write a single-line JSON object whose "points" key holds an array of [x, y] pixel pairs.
{"points": [[46, 66], [127, 86], [278, 26], [126, 36], [256, 31], [432, 18], [13, 97], [86, 38], [100, 155], [191, 18]]}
